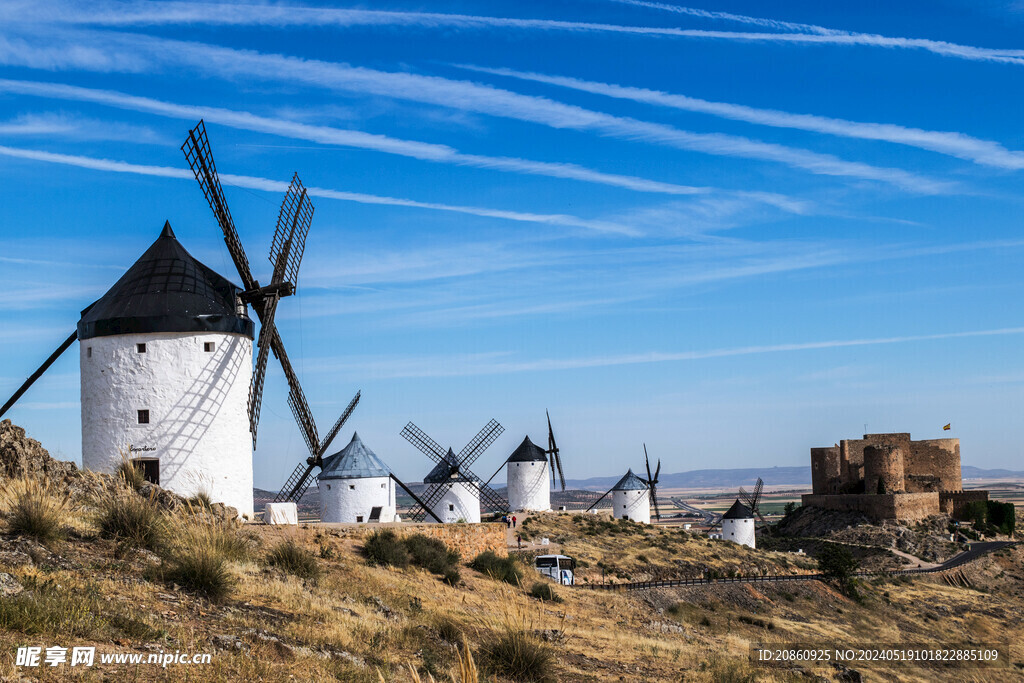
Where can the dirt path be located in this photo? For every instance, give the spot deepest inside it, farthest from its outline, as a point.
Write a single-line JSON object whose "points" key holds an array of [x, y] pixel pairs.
{"points": [[532, 544]]}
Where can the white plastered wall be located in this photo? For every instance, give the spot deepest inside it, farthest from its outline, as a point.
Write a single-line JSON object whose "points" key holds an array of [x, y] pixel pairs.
{"points": [[528, 485], [344, 501], [198, 410], [739, 531], [635, 504], [460, 502]]}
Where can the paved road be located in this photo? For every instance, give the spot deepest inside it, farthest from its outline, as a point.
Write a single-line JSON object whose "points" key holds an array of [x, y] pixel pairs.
{"points": [[974, 552]]}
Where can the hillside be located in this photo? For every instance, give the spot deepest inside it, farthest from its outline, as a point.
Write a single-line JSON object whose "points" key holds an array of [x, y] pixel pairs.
{"points": [[330, 615]]}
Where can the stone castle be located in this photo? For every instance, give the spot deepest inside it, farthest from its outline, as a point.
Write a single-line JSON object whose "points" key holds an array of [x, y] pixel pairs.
{"points": [[889, 476]]}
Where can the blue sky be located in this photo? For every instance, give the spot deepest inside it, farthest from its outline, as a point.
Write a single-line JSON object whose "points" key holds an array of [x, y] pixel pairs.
{"points": [[734, 230]]}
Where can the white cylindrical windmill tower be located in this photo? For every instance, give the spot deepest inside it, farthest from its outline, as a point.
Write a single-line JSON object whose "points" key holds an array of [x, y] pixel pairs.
{"points": [[166, 364], [738, 525], [631, 499], [460, 501], [355, 486], [527, 475]]}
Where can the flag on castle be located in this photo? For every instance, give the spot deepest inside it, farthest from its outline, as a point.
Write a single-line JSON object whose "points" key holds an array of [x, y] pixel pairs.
{"points": [[948, 426]]}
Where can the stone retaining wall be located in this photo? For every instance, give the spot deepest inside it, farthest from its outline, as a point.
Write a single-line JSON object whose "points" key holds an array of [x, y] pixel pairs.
{"points": [[907, 507]]}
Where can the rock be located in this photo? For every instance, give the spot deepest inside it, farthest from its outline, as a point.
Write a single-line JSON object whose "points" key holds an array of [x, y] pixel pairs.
{"points": [[382, 608], [665, 627], [847, 675], [22, 456], [550, 635], [229, 643], [14, 558], [9, 585]]}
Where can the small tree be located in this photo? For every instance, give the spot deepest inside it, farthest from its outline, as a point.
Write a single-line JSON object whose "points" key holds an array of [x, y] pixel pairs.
{"points": [[838, 565], [789, 508]]}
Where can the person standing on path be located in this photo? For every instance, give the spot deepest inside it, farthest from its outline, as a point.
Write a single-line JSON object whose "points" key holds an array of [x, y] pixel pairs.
{"points": [[519, 541], [513, 521]]}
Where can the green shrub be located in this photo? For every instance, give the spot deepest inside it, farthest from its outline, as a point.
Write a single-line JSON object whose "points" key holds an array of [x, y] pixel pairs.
{"points": [[755, 621], [544, 591], [132, 520], [383, 548], [838, 564], [34, 510], [505, 569], [202, 570], [287, 555], [430, 553], [1002, 516], [451, 576], [519, 656]]}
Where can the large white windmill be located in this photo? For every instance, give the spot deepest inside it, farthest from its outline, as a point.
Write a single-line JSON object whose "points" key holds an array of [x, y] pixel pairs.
{"points": [[527, 470], [166, 354]]}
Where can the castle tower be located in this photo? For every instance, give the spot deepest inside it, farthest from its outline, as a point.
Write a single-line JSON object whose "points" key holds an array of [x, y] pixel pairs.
{"points": [[528, 475], [738, 525], [166, 363], [461, 499], [355, 486], [883, 469], [631, 499], [825, 470]]}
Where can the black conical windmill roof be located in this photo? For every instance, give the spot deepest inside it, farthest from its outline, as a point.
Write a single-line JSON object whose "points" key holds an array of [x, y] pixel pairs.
{"points": [[166, 290], [528, 452], [738, 511]]}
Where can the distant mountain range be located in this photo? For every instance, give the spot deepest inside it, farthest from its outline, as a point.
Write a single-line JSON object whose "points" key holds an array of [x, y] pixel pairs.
{"points": [[796, 476], [772, 476], [971, 472]]}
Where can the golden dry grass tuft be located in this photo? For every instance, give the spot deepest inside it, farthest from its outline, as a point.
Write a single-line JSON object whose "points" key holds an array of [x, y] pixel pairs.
{"points": [[34, 509]]}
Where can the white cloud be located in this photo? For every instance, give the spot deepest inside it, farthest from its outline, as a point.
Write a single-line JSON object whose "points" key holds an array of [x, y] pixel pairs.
{"points": [[985, 152], [245, 14], [352, 138], [52, 124], [496, 363], [255, 183], [232, 64], [827, 36]]}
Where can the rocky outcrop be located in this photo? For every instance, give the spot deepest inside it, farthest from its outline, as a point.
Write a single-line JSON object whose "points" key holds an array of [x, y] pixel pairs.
{"points": [[928, 539], [815, 522], [22, 456]]}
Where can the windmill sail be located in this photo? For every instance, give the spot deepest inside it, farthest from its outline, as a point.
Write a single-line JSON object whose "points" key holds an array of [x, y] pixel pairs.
{"points": [[553, 454], [38, 373]]}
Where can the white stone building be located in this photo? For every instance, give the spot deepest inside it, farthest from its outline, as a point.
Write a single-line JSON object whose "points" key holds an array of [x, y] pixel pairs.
{"points": [[738, 525], [631, 499], [460, 501], [166, 364], [527, 474], [355, 486]]}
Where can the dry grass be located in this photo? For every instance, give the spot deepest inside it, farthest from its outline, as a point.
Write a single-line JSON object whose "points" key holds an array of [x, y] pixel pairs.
{"points": [[132, 521], [34, 509], [289, 557], [360, 623], [129, 473]]}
